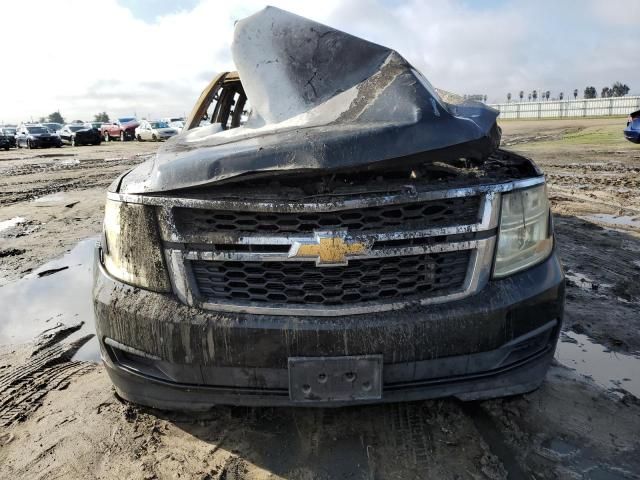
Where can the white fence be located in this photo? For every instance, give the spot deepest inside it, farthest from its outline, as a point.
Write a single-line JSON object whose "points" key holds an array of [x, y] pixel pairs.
{"points": [[595, 107]]}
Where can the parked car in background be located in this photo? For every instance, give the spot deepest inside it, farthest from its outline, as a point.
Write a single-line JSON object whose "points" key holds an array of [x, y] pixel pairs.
{"points": [[79, 134], [52, 126], [36, 135], [10, 134], [170, 120], [123, 128], [4, 141], [178, 125], [154, 130], [632, 132], [96, 125]]}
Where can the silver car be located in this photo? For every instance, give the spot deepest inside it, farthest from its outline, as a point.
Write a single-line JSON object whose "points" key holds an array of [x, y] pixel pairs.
{"points": [[154, 130]]}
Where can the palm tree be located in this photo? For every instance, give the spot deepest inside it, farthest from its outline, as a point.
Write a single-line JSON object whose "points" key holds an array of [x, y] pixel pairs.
{"points": [[529, 96], [575, 94], [535, 95], [508, 97], [561, 95], [547, 94], [521, 95]]}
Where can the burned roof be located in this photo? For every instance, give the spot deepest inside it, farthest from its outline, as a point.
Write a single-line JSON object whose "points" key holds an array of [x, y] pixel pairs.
{"points": [[321, 100]]}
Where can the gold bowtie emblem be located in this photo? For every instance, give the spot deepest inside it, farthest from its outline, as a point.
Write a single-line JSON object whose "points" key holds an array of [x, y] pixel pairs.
{"points": [[329, 248]]}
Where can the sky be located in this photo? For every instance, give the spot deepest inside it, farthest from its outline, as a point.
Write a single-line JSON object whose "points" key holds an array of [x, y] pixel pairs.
{"points": [[152, 58]]}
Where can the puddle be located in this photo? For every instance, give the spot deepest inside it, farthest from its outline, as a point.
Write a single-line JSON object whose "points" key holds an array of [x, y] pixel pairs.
{"points": [[51, 199], [615, 220], [606, 368], [34, 304], [12, 222]]}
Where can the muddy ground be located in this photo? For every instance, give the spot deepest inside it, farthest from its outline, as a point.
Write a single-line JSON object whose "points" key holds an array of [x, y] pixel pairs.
{"points": [[59, 417]]}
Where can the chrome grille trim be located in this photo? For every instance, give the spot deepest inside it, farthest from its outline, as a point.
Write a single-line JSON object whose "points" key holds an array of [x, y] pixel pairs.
{"points": [[180, 250], [488, 221], [477, 276], [284, 257]]}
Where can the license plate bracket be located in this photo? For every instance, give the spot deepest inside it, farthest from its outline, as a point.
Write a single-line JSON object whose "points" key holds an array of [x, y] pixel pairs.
{"points": [[335, 379]]}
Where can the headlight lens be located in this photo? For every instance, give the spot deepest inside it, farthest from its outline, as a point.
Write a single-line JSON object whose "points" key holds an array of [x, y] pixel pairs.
{"points": [[132, 251], [525, 237]]}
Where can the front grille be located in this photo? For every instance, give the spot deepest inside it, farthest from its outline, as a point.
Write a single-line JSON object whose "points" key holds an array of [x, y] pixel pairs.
{"points": [[386, 278], [434, 213]]}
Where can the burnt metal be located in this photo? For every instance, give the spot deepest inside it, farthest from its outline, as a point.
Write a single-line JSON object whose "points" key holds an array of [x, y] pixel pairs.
{"points": [[311, 112]]}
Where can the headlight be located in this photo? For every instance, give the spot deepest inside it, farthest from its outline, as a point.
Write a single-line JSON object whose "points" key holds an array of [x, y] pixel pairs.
{"points": [[132, 251], [525, 238]]}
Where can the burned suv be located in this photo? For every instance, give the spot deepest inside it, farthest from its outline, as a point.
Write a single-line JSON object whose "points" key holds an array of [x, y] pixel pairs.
{"points": [[361, 238]]}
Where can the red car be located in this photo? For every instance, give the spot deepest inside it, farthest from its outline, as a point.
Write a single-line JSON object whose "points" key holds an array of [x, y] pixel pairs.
{"points": [[122, 128]]}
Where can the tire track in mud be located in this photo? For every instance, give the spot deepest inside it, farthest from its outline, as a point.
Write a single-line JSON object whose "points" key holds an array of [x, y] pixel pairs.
{"points": [[23, 182], [490, 433], [23, 388]]}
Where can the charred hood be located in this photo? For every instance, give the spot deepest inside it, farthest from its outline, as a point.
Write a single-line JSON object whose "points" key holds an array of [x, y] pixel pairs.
{"points": [[321, 100]]}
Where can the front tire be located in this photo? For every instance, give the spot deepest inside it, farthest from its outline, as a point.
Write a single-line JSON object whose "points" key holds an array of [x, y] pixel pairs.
{"points": [[29, 146], [154, 137], [139, 138]]}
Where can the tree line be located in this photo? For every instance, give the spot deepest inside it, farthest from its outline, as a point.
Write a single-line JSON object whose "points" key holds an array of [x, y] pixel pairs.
{"points": [[618, 89], [56, 117]]}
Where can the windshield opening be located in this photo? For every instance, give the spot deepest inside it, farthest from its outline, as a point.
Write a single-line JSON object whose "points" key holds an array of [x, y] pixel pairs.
{"points": [[159, 125], [37, 130]]}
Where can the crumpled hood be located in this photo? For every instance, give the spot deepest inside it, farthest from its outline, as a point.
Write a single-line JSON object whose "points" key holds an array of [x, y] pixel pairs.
{"points": [[321, 99]]}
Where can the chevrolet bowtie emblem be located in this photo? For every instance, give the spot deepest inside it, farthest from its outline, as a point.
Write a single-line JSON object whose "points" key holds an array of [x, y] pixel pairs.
{"points": [[329, 248]]}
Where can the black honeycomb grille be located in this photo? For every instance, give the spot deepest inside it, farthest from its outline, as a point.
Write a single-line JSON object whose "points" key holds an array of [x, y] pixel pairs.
{"points": [[442, 212], [388, 278]]}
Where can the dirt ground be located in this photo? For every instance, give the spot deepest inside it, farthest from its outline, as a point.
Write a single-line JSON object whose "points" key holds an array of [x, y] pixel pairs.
{"points": [[59, 418]]}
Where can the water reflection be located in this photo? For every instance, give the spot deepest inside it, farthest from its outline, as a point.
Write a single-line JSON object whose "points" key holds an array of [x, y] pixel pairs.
{"points": [[34, 304], [606, 368]]}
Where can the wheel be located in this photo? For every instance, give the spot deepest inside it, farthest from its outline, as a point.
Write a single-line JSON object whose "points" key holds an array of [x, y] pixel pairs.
{"points": [[6, 148], [29, 146], [139, 138], [106, 136], [97, 142], [154, 138], [123, 137]]}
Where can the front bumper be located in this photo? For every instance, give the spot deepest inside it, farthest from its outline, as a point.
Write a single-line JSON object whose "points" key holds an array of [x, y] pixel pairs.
{"points": [[46, 142], [163, 354], [632, 135]]}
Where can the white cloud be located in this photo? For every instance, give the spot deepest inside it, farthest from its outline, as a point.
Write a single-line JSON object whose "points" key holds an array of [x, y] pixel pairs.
{"points": [[85, 56]]}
